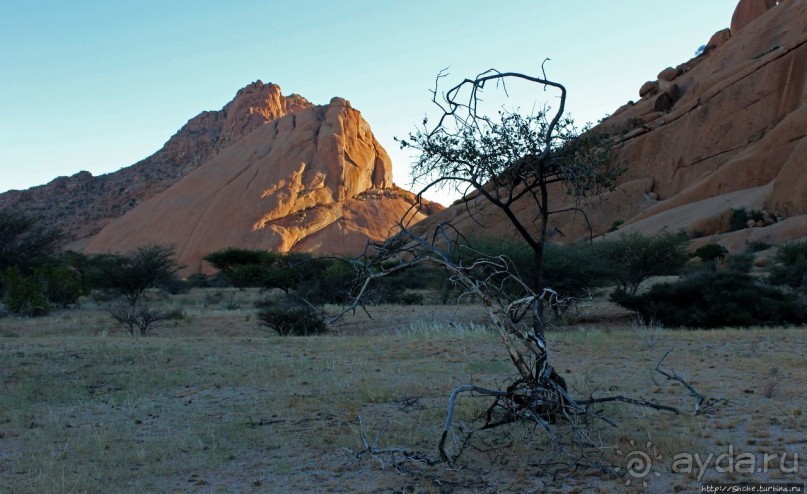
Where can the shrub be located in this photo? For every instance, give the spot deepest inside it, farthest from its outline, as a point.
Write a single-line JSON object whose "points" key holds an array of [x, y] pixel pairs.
{"points": [[24, 295], [325, 281], [132, 274], [791, 265], [411, 298], [757, 246], [714, 299], [739, 218], [129, 276], [241, 267], [711, 252], [138, 319], [291, 317], [198, 280], [741, 263], [572, 270], [24, 242], [63, 285], [635, 257], [615, 225]]}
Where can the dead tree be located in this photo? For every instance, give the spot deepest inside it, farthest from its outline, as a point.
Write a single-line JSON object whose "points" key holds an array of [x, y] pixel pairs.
{"points": [[504, 160], [510, 159], [538, 394]]}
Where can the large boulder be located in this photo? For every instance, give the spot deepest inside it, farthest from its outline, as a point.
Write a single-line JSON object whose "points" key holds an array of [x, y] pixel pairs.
{"points": [[748, 11]]}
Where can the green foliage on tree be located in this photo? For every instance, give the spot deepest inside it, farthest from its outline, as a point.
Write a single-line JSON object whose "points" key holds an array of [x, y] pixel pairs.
{"points": [[512, 161], [242, 267], [635, 257], [24, 295], [791, 265], [24, 242], [129, 275], [62, 283], [713, 300], [573, 271], [576, 270], [132, 273]]}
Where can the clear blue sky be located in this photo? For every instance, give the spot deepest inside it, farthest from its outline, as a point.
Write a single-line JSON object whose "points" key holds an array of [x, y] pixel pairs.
{"points": [[99, 85]]}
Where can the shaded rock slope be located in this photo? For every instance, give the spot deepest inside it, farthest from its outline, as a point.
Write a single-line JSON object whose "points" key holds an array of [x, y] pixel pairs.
{"points": [[725, 130]]}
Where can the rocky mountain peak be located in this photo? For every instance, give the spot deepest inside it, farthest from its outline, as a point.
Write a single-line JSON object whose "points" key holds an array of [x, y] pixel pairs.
{"points": [[82, 205]]}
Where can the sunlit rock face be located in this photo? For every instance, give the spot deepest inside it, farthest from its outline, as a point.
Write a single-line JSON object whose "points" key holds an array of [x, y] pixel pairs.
{"points": [[315, 180], [725, 130], [267, 171], [81, 205]]}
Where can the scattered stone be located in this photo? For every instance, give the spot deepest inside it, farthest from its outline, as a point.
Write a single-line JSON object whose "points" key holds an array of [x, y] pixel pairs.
{"points": [[718, 39], [648, 87], [669, 73]]}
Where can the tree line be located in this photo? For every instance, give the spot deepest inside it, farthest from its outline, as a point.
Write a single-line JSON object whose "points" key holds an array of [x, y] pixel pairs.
{"points": [[712, 288]]}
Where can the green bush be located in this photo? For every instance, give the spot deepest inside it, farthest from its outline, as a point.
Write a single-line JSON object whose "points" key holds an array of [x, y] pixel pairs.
{"points": [[63, 286], [791, 265], [635, 257], [757, 246], [741, 263], [24, 295], [25, 242], [711, 252], [325, 281], [714, 299], [291, 317], [739, 218], [572, 271], [198, 280], [575, 270]]}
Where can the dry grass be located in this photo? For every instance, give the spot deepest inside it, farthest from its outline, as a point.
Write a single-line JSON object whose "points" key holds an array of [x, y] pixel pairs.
{"points": [[214, 403]]}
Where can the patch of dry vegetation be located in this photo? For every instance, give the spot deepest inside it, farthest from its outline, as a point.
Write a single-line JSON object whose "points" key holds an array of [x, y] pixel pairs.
{"points": [[216, 404]]}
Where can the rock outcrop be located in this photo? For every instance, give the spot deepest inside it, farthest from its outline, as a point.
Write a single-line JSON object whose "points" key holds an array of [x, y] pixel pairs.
{"points": [[315, 180], [81, 205], [747, 11], [725, 130]]}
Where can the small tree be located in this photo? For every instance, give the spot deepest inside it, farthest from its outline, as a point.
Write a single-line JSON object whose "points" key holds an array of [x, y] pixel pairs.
{"points": [[130, 275], [24, 295], [573, 271], [636, 257], [24, 246], [791, 267], [241, 267], [24, 242]]}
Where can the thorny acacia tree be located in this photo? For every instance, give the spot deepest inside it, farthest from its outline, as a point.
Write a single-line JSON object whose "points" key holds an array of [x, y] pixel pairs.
{"points": [[505, 160], [511, 159]]}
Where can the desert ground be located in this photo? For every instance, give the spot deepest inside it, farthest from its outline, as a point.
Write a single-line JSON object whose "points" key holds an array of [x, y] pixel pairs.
{"points": [[212, 402]]}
